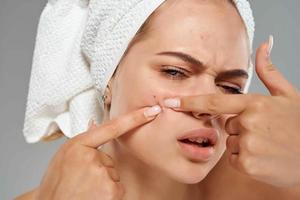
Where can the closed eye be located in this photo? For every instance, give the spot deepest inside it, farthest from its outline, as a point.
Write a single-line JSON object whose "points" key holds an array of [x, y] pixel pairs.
{"points": [[230, 90]]}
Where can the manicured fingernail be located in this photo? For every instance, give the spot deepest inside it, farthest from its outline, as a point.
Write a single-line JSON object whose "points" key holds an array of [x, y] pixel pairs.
{"points": [[154, 110], [270, 47], [172, 102]]}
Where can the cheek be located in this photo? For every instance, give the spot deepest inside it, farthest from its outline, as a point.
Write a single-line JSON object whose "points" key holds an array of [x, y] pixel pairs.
{"points": [[137, 93]]}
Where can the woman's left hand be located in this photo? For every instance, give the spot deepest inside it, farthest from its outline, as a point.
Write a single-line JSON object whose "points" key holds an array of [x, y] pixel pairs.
{"points": [[264, 134]]}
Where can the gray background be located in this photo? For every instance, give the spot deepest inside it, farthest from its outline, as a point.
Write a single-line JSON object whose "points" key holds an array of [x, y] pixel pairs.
{"points": [[22, 165]]}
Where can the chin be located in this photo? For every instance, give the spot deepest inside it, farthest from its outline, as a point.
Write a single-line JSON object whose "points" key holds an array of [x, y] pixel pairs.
{"points": [[190, 172], [192, 179]]}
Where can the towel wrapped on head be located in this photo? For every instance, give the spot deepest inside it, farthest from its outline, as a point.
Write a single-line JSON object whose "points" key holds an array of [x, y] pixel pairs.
{"points": [[78, 46]]}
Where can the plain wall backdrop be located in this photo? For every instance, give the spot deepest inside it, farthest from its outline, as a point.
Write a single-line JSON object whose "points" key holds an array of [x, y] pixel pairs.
{"points": [[22, 165]]}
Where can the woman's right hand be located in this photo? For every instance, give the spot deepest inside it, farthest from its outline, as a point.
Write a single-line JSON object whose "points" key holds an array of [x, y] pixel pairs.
{"points": [[79, 170]]}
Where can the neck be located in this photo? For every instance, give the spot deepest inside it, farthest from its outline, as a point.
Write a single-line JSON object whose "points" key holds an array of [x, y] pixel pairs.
{"points": [[142, 181]]}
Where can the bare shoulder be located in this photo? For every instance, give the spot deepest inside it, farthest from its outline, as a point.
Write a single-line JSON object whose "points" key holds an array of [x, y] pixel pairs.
{"points": [[224, 181]]}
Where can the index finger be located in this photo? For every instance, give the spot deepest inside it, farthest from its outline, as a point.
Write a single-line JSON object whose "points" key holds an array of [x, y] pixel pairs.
{"points": [[117, 127], [211, 103]]}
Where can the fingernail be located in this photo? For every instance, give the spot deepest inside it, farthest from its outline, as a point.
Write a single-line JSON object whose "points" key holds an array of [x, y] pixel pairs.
{"points": [[270, 47], [154, 110], [172, 102]]}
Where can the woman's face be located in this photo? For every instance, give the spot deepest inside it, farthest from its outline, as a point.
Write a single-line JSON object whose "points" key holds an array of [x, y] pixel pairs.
{"points": [[209, 31]]}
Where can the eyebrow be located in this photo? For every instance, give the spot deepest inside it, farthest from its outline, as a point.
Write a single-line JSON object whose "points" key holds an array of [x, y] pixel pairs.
{"points": [[235, 73], [185, 57]]}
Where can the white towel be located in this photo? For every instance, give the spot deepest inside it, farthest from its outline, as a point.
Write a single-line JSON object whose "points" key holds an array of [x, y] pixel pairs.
{"points": [[79, 43]]}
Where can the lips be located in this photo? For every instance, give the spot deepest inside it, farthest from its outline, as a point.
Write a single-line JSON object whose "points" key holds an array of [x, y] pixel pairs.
{"points": [[207, 134], [198, 144]]}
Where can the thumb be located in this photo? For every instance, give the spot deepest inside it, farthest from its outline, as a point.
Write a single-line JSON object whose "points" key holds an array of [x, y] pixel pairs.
{"points": [[269, 74]]}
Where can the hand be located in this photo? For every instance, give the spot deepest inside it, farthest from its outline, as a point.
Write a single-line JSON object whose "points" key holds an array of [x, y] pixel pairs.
{"points": [[264, 132], [80, 171]]}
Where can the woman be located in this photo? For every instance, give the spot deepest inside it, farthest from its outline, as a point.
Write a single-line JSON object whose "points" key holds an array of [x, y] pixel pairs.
{"points": [[169, 115]]}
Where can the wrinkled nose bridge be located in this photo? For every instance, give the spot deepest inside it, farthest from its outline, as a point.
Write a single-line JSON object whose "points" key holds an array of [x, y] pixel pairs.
{"points": [[206, 86], [203, 85]]}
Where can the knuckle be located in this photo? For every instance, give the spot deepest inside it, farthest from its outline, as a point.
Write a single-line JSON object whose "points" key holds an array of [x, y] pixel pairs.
{"points": [[249, 122], [88, 156], [247, 165], [247, 143], [78, 155]]}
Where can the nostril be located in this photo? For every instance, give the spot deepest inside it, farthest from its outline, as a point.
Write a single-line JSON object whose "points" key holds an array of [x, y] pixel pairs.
{"points": [[201, 115], [205, 115]]}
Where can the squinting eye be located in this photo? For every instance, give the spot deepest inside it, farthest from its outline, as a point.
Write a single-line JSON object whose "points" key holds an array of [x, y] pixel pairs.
{"points": [[174, 73], [231, 90]]}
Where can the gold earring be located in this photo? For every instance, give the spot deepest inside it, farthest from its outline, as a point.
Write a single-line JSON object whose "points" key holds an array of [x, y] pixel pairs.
{"points": [[104, 97]]}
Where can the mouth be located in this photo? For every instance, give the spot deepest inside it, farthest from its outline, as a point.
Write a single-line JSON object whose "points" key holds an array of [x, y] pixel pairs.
{"points": [[198, 144]]}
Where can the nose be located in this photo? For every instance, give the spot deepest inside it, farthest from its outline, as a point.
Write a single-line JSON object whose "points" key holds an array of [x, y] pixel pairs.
{"points": [[205, 85], [202, 116]]}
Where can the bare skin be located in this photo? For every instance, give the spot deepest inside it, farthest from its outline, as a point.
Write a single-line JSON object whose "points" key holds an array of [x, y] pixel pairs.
{"points": [[246, 165], [79, 170], [242, 186], [146, 158]]}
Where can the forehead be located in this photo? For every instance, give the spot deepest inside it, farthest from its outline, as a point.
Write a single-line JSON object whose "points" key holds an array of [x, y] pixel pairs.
{"points": [[212, 31]]}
